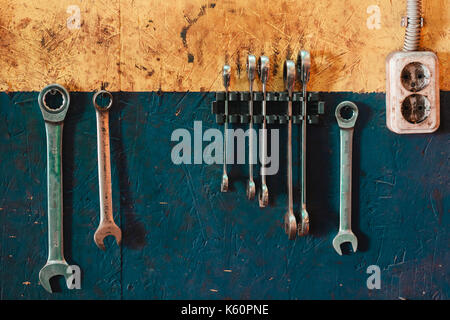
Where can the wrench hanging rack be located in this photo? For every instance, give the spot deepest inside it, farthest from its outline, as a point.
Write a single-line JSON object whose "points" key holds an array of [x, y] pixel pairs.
{"points": [[265, 108], [277, 108]]}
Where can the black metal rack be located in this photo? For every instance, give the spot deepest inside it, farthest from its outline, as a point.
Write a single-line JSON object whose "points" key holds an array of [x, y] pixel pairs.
{"points": [[277, 113]]}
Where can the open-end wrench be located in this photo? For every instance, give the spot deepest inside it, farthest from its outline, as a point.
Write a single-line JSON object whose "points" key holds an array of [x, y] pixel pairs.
{"points": [[226, 74], [54, 118], [251, 70], [303, 68], [346, 114], [290, 223], [107, 226], [263, 73]]}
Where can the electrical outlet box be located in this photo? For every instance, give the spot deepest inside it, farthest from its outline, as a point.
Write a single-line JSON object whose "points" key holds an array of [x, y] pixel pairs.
{"points": [[412, 92]]}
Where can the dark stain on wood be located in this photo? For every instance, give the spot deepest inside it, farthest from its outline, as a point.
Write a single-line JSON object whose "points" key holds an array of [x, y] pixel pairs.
{"points": [[238, 64], [191, 22]]}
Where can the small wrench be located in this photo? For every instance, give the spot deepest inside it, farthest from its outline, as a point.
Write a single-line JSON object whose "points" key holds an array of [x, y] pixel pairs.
{"points": [[226, 74], [304, 66], [263, 73], [346, 114], [251, 69], [107, 226], [290, 223], [54, 118]]}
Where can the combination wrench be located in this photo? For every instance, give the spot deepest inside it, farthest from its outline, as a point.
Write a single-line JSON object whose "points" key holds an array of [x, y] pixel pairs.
{"points": [[303, 66], [226, 74], [54, 118], [346, 114], [263, 73], [251, 69], [290, 223], [107, 226]]}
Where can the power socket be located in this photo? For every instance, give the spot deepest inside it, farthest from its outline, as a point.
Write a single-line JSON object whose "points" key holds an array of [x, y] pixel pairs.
{"points": [[412, 92]]}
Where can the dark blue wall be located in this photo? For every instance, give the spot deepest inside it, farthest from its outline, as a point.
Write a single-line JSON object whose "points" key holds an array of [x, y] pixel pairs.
{"points": [[181, 233]]}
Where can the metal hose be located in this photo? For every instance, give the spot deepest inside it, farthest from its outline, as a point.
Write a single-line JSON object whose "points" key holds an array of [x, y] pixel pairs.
{"points": [[413, 16]]}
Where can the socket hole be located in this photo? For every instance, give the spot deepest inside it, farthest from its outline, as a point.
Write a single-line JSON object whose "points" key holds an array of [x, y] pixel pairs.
{"points": [[53, 100], [103, 100], [415, 76], [416, 108], [346, 112]]}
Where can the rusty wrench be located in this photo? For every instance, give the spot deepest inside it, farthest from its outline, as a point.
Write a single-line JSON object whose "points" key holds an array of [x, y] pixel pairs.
{"points": [[303, 66], [54, 118], [346, 114], [263, 73], [251, 69], [226, 74], [290, 223], [107, 226]]}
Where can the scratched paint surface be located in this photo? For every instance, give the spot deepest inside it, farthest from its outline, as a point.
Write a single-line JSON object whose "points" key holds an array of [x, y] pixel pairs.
{"points": [[185, 239], [181, 45]]}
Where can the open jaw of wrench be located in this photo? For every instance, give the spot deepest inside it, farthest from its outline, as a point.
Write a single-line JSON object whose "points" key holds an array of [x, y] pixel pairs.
{"points": [[290, 223], [263, 73], [107, 226], [251, 70], [303, 69], [226, 75], [346, 115], [54, 102]]}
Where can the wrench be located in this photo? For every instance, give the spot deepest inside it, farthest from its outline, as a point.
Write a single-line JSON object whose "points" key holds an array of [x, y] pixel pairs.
{"points": [[251, 68], [54, 118], [346, 114], [303, 66], [290, 223], [107, 226], [263, 73], [226, 74]]}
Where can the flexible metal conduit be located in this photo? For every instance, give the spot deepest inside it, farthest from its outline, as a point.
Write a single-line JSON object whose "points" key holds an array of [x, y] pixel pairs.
{"points": [[413, 20]]}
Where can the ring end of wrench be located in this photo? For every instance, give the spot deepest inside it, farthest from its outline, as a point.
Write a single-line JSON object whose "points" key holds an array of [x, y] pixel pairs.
{"points": [[346, 114], [50, 270], [303, 66], [251, 67], [104, 230], [54, 114], [343, 237], [289, 75], [102, 93], [263, 68], [226, 75]]}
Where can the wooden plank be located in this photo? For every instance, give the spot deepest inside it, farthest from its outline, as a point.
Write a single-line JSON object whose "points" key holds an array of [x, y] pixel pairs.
{"points": [[181, 45], [37, 47]]}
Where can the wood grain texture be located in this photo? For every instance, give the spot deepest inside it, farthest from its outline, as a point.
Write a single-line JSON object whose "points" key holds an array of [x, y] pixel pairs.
{"points": [[181, 45], [37, 47]]}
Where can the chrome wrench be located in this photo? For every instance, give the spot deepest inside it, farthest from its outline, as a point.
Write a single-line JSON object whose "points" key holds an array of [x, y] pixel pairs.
{"points": [[251, 69], [290, 223], [304, 66], [226, 74], [107, 226], [346, 114], [54, 118], [263, 73]]}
